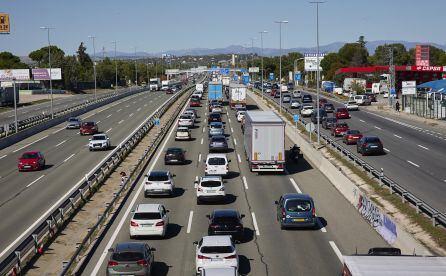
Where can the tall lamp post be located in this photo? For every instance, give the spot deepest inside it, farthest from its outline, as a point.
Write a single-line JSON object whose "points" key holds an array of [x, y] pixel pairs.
{"points": [[318, 77], [94, 64], [261, 45], [280, 59], [49, 61], [116, 68], [136, 70]]}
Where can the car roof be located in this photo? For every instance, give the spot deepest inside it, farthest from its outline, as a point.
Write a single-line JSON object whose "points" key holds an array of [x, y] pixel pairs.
{"points": [[158, 173], [148, 208], [130, 246], [30, 152], [212, 155], [211, 178], [217, 240], [296, 196], [99, 134]]}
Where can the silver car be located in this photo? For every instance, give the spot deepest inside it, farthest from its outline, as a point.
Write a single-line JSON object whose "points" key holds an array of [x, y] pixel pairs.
{"points": [[73, 123], [218, 143], [216, 128], [131, 258]]}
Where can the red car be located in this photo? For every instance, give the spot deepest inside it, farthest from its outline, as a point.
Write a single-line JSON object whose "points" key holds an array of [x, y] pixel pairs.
{"points": [[339, 129], [31, 161], [194, 102], [342, 113], [351, 137], [169, 91], [88, 128]]}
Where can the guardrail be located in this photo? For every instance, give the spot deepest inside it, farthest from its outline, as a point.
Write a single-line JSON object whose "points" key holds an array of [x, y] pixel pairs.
{"points": [[47, 230], [421, 206]]}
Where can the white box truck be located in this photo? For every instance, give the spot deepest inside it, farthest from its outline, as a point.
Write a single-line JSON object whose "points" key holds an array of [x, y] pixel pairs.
{"points": [[226, 81], [237, 96], [264, 141], [154, 84], [199, 87], [165, 85]]}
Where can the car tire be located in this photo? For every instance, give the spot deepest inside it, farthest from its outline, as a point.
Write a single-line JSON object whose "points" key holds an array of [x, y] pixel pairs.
{"points": [[198, 201], [282, 227]]}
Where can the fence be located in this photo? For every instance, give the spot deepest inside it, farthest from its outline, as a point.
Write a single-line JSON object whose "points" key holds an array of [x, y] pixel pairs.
{"points": [[432, 108]]}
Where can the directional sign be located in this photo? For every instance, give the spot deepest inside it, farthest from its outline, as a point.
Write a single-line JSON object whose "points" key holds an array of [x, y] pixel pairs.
{"points": [[271, 76], [235, 77], [297, 76], [296, 118], [157, 121], [243, 70], [224, 71], [5, 27]]}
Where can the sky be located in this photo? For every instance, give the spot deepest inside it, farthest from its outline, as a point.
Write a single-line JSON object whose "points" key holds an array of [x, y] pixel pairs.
{"points": [[162, 25]]}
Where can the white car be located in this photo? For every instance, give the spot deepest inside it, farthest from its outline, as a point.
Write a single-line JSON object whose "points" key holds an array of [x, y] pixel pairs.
{"points": [[217, 109], [217, 164], [306, 110], [386, 95], [351, 105], [183, 133], [240, 115], [159, 183], [215, 252], [99, 142], [210, 188], [362, 100], [297, 94], [294, 104], [186, 121], [190, 113], [149, 220]]}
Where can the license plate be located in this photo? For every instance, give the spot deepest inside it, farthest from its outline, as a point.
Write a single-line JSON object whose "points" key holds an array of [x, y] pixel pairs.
{"points": [[374, 147], [173, 160], [217, 259], [146, 225], [299, 220], [210, 191], [27, 166]]}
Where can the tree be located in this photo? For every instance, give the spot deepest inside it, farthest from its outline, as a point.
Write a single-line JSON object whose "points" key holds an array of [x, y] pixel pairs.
{"points": [[10, 61], [41, 56], [330, 63], [382, 54], [82, 56], [361, 41], [353, 54]]}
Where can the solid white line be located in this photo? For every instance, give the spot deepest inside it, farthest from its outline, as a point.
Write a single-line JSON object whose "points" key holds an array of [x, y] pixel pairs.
{"points": [[189, 223], [119, 110], [54, 132], [61, 143], [254, 221], [336, 251], [235, 142], [410, 162], [199, 157], [423, 147], [362, 120], [109, 115], [201, 141], [131, 115], [29, 185], [397, 136], [120, 122], [232, 130], [3, 156], [295, 185], [378, 128], [98, 122], [30, 143], [386, 150], [239, 159], [69, 157], [108, 130], [127, 105], [245, 183]]}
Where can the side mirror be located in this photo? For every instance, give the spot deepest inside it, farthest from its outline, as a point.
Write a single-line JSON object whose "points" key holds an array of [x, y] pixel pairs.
{"points": [[108, 138], [276, 202], [111, 250], [152, 249], [167, 211], [195, 242], [208, 216], [174, 175], [89, 139], [229, 161], [242, 215], [196, 185]]}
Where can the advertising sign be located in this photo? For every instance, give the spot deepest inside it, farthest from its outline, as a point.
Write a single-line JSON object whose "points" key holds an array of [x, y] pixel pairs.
{"points": [[271, 76], [422, 55], [311, 61], [409, 87], [254, 69], [172, 71], [44, 73], [11, 74], [5, 27]]}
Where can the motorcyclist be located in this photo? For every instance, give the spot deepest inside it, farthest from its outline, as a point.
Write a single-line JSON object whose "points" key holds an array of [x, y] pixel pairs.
{"points": [[294, 151]]}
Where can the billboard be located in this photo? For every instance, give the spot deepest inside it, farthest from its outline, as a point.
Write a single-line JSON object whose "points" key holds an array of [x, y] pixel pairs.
{"points": [[172, 71], [311, 61], [44, 73], [11, 74], [5, 27], [254, 69], [409, 87], [422, 55]]}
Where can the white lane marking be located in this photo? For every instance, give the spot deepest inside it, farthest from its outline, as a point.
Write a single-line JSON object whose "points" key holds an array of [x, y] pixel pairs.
{"points": [[108, 130], [245, 183], [189, 222], [109, 115], [321, 227], [203, 129], [89, 116], [229, 119], [336, 251], [120, 122], [145, 105], [232, 130], [54, 132], [60, 143], [235, 142], [201, 141], [295, 185], [423, 147], [138, 109], [205, 113], [69, 157], [30, 143], [3, 156], [127, 105], [386, 150], [254, 221], [239, 159], [378, 128], [150, 101], [29, 185], [412, 163], [196, 178], [397, 136], [199, 157], [362, 120], [132, 203], [131, 115], [98, 122], [119, 110]]}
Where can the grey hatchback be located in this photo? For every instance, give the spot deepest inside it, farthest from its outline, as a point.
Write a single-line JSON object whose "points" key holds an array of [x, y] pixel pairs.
{"points": [[218, 143], [296, 210], [131, 258]]}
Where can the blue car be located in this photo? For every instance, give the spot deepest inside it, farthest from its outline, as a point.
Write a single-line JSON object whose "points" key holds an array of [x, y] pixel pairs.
{"points": [[296, 210]]}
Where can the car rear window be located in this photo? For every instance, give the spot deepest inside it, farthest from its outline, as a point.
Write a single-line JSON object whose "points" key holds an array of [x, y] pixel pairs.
{"points": [[373, 140], [341, 125], [29, 155], [298, 205], [88, 124], [172, 151], [216, 126], [211, 184], [216, 249], [185, 117], [127, 256], [354, 132], [138, 215], [158, 177], [182, 130], [216, 161], [214, 115], [225, 220]]}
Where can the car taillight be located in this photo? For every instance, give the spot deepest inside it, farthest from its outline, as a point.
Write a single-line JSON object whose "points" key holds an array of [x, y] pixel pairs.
{"points": [[142, 263], [365, 145], [231, 257], [283, 213], [161, 223], [313, 212], [133, 223], [112, 263], [280, 166], [201, 257]]}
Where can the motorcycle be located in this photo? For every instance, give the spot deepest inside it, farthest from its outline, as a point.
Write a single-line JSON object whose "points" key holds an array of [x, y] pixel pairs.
{"points": [[294, 154]]}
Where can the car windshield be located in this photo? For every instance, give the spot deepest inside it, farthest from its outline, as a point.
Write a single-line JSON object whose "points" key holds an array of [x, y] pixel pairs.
{"points": [[216, 161], [158, 177], [127, 256], [89, 124], [211, 183], [138, 215], [100, 137], [216, 249], [225, 219], [298, 205], [174, 151], [331, 120], [186, 117], [216, 126], [29, 155]]}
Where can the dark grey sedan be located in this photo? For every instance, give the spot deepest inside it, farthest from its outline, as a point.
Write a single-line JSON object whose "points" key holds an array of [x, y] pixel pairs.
{"points": [[131, 258], [218, 143]]}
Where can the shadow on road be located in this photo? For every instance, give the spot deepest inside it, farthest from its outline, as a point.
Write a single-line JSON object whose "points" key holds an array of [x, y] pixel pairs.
{"points": [[160, 269], [244, 265]]}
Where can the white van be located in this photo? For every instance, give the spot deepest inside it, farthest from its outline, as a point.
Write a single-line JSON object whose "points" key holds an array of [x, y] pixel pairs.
{"points": [[362, 100], [217, 164]]}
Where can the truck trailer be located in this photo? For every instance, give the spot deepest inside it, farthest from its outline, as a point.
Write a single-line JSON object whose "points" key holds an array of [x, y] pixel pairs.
{"points": [[215, 91], [154, 84], [264, 141], [237, 95]]}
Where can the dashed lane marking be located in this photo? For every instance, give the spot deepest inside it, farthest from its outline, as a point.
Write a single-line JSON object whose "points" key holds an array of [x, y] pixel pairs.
{"points": [[412, 163], [245, 183], [189, 223], [29, 185], [69, 157], [61, 143], [254, 221]]}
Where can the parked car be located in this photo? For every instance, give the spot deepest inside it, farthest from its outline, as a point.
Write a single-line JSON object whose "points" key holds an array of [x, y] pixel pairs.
{"points": [[214, 117], [183, 133], [369, 145], [329, 108], [351, 136], [218, 143], [342, 113], [295, 104], [307, 99], [297, 94], [88, 128], [306, 110], [217, 164], [210, 188], [216, 128], [226, 222], [339, 129], [351, 105], [175, 156], [31, 161], [159, 183], [296, 210], [73, 123], [149, 220], [136, 258], [329, 122], [185, 121], [99, 142], [215, 251], [286, 98]]}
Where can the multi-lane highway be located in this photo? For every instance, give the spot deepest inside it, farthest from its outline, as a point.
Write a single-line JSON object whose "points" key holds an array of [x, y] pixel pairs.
{"points": [[266, 249], [27, 197], [414, 155]]}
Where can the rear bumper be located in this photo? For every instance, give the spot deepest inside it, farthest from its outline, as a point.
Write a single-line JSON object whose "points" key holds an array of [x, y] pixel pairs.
{"points": [[30, 168], [182, 138], [308, 223], [178, 161], [158, 192], [267, 167], [151, 231]]}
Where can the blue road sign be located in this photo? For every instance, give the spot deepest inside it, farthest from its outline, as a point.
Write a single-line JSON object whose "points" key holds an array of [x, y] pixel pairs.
{"points": [[271, 76], [392, 91], [296, 118], [236, 77], [297, 76], [243, 70], [224, 71], [245, 79], [157, 121]]}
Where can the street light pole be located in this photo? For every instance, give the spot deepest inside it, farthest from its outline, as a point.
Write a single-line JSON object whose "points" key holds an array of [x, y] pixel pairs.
{"points": [[136, 70], [94, 65], [261, 44], [116, 68], [49, 61], [280, 61], [15, 107]]}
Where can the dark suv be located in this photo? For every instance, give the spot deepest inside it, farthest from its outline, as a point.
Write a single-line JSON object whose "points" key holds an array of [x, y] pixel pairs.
{"points": [[175, 156], [307, 99], [214, 117], [329, 122], [135, 258], [369, 145], [226, 222]]}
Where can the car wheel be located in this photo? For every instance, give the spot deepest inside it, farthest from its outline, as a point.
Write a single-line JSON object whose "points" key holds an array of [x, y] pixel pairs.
{"points": [[282, 227], [198, 201]]}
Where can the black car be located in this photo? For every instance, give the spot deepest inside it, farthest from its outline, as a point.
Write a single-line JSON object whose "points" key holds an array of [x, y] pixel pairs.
{"points": [[175, 156], [329, 122], [307, 99], [322, 115], [214, 117], [329, 108], [369, 145], [226, 222]]}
